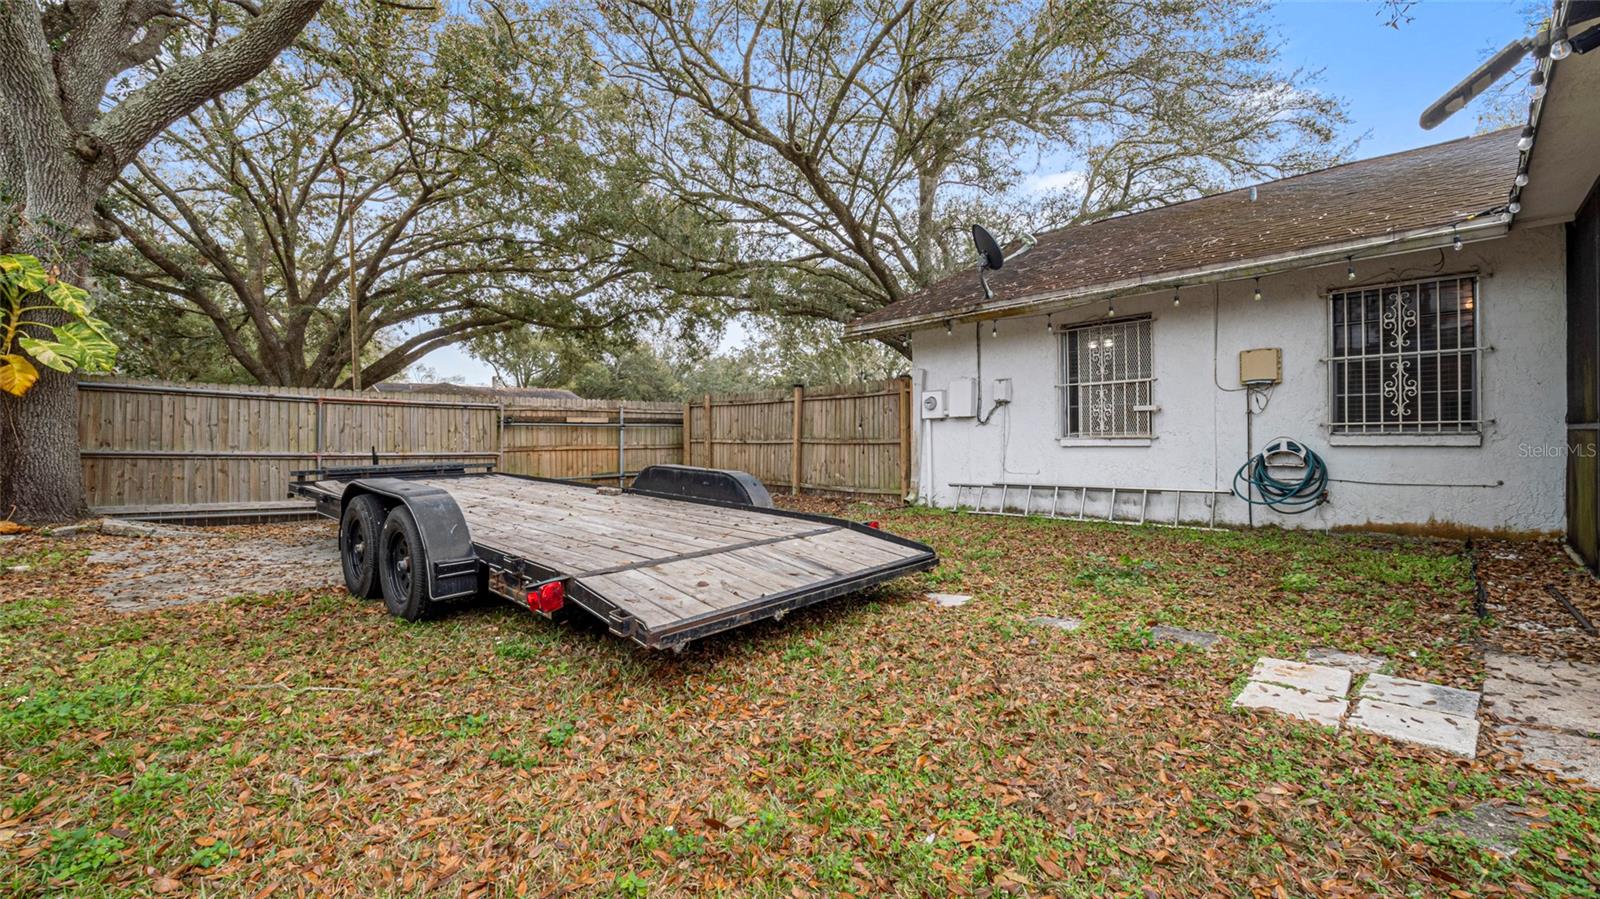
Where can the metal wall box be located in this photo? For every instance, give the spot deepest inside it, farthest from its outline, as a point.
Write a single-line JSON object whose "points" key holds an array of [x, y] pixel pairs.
{"points": [[1261, 366], [962, 401]]}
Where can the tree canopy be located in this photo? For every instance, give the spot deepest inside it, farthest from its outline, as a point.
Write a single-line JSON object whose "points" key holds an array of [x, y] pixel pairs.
{"points": [[459, 174], [850, 143]]}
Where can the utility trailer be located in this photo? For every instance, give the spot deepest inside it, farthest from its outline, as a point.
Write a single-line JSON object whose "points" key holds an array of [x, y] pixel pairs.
{"points": [[683, 554]]}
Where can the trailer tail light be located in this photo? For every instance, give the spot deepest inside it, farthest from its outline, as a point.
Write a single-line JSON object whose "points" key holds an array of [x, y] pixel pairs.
{"points": [[872, 524], [547, 597]]}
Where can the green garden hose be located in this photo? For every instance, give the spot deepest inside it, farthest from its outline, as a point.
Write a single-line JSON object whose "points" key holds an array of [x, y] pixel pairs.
{"points": [[1255, 484]]}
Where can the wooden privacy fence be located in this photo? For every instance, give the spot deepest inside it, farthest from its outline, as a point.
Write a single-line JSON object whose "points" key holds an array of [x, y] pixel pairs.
{"points": [[850, 439], [152, 444]]}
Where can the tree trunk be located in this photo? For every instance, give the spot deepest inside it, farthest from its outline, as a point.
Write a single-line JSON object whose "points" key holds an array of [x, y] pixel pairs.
{"points": [[41, 475]]}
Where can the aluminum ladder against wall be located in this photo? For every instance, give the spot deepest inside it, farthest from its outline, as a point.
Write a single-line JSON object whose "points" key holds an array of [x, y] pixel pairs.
{"points": [[976, 497]]}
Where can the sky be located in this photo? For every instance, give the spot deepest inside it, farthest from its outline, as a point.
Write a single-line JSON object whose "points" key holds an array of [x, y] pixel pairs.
{"points": [[1386, 77]]}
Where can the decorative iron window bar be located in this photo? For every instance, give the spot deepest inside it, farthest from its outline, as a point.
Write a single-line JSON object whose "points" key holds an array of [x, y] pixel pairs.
{"points": [[1405, 358], [1106, 386]]}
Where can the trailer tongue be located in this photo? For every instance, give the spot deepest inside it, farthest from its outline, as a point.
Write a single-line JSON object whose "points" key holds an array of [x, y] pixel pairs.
{"points": [[684, 554]]}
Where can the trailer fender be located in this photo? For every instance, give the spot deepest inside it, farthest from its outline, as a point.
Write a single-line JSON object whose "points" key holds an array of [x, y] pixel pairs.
{"points": [[716, 484], [452, 561]]}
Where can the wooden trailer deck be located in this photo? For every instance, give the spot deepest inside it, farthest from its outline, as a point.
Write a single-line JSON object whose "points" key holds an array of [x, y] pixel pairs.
{"points": [[669, 563]]}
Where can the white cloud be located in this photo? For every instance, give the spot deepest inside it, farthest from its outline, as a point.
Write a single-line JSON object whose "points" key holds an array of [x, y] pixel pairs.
{"points": [[1053, 181]]}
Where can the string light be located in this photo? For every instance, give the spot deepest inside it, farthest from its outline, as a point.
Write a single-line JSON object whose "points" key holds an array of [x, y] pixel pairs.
{"points": [[1538, 84], [1455, 239], [1049, 327], [947, 328], [1258, 290], [994, 328], [1174, 296], [1513, 207], [1525, 141], [1111, 309], [1522, 179], [1349, 268], [1560, 47]]}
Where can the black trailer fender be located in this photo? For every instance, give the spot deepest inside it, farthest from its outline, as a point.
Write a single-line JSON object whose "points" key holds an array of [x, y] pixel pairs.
{"points": [[452, 561], [717, 484]]}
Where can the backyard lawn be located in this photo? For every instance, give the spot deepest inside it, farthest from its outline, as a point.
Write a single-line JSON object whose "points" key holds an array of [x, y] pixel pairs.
{"points": [[304, 742]]}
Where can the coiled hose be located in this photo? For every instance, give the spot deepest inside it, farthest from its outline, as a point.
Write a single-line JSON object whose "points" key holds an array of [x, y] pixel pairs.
{"points": [[1254, 483]]}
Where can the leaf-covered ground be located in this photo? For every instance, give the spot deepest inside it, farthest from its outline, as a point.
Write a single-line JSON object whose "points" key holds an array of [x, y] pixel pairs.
{"points": [[306, 743]]}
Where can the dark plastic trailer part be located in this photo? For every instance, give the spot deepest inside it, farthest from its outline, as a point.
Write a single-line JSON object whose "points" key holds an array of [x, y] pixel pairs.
{"points": [[685, 553]]}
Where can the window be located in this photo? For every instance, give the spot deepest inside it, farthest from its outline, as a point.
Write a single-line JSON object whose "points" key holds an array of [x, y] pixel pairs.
{"points": [[1404, 358], [1105, 380]]}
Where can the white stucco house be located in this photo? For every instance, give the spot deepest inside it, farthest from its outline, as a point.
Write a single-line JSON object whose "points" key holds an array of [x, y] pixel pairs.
{"points": [[1428, 320]]}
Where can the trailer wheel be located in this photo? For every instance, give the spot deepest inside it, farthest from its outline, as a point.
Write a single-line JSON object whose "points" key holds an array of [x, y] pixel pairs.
{"points": [[359, 529], [403, 566]]}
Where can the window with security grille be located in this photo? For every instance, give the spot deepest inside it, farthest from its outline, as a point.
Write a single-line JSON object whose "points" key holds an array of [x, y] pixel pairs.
{"points": [[1404, 358], [1105, 379]]}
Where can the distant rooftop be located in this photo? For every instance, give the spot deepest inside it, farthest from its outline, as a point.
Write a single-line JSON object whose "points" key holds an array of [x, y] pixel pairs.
{"points": [[476, 390]]}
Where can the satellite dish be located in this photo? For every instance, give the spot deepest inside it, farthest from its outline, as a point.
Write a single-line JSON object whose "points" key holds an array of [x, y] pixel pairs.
{"points": [[988, 248], [989, 257]]}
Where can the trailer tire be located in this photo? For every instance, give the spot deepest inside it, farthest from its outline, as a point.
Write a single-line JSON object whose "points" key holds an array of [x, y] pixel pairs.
{"points": [[403, 566], [359, 530]]}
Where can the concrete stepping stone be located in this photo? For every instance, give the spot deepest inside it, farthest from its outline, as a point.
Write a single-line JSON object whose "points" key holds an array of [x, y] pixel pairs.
{"points": [[1543, 693], [1421, 695], [1353, 662], [1569, 755], [1438, 717], [1552, 709], [949, 600], [1065, 624], [1498, 827], [1320, 679], [1306, 705], [1202, 639]]}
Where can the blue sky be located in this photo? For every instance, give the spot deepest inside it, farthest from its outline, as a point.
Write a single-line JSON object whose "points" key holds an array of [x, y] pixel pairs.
{"points": [[1386, 77]]}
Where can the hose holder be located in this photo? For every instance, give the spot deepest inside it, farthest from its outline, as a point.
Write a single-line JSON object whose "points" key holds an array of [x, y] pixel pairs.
{"points": [[1256, 484]]}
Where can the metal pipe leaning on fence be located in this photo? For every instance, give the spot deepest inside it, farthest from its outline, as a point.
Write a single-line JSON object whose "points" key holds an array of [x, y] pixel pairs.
{"points": [[1255, 483]]}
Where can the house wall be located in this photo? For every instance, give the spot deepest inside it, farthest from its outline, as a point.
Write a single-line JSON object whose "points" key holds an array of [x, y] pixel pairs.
{"points": [[1200, 430]]}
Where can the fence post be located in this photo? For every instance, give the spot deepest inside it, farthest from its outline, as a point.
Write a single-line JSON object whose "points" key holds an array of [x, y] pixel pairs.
{"points": [[711, 454], [500, 439], [794, 441], [688, 434], [622, 443], [905, 438]]}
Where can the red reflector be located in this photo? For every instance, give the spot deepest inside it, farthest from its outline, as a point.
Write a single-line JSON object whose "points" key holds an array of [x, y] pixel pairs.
{"points": [[872, 524], [547, 597]]}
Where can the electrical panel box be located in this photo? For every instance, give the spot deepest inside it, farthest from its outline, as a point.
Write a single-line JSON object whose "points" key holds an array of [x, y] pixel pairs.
{"points": [[933, 405], [1002, 391], [1263, 366], [963, 398]]}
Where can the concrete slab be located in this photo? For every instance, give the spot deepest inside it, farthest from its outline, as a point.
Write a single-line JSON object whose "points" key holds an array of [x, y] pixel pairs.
{"points": [[1353, 662], [1455, 734], [1202, 639], [1543, 693], [1421, 695], [1300, 675], [949, 600], [1307, 706], [1569, 755], [1065, 624], [1496, 827]]}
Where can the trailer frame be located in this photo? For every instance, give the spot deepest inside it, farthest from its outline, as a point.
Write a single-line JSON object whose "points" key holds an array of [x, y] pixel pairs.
{"points": [[461, 567]]}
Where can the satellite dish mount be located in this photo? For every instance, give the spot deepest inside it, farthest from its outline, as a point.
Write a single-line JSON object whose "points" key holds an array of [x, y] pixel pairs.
{"points": [[990, 258]]}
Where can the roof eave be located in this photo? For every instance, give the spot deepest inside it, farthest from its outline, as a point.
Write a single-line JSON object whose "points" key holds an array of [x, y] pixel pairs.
{"points": [[1486, 227]]}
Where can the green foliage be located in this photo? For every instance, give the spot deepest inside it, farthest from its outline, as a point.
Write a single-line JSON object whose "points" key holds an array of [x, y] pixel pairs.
{"points": [[1298, 582], [32, 300], [211, 855], [80, 854]]}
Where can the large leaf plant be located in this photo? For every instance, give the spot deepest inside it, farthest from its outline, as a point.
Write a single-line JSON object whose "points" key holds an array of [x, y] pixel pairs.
{"points": [[79, 343]]}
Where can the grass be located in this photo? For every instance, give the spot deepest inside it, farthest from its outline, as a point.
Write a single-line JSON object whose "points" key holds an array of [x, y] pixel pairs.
{"points": [[872, 746]]}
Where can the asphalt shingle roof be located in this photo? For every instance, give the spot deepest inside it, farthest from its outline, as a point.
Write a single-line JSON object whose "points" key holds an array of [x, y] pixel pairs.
{"points": [[1403, 192]]}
